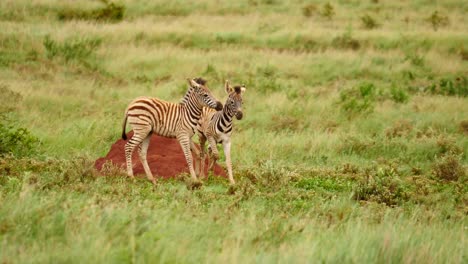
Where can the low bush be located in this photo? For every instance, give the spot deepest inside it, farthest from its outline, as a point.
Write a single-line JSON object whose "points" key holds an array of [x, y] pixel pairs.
{"points": [[345, 41], [309, 10], [400, 128], [449, 167], [438, 20], [369, 22], [74, 49], [358, 100], [328, 11], [111, 12], [398, 95], [381, 185], [449, 87], [266, 79], [14, 139]]}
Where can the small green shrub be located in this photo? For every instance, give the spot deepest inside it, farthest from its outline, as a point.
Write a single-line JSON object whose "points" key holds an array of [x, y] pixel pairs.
{"points": [[345, 41], [13, 139], [328, 11], [369, 22], [16, 140], [111, 12], [358, 100], [449, 87], [448, 167], [438, 20], [71, 49], [398, 95]]}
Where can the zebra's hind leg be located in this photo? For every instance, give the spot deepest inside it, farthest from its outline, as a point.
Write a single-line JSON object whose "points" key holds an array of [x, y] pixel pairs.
{"points": [[142, 151], [136, 140], [184, 141]]}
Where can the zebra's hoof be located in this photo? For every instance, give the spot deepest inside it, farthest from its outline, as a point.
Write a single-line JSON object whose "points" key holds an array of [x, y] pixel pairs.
{"points": [[194, 185], [232, 189]]}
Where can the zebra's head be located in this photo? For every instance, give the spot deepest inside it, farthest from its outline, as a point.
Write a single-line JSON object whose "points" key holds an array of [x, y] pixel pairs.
{"points": [[203, 94], [234, 100]]}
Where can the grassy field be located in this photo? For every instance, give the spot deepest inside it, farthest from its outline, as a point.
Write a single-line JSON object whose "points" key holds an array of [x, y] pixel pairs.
{"points": [[353, 147]]}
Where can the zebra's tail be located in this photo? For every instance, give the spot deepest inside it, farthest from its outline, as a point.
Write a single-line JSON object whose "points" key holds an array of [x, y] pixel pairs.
{"points": [[124, 136]]}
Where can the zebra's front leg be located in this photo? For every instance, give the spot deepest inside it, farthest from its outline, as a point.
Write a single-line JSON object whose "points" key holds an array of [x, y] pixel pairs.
{"points": [[196, 153], [185, 142], [214, 153], [202, 156], [142, 150], [227, 153]]}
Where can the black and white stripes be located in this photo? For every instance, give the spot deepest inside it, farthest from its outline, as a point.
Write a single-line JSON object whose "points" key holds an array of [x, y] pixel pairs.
{"points": [[151, 115]]}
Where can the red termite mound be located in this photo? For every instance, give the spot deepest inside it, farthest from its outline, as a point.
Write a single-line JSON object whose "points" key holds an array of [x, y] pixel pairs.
{"points": [[165, 158]]}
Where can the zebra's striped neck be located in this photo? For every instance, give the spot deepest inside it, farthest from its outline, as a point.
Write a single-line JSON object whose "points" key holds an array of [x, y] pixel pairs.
{"points": [[227, 113], [192, 107], [224, 122]]}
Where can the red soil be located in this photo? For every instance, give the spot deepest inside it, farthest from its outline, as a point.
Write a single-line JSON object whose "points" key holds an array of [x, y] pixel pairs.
{"points": [[165, 158]]}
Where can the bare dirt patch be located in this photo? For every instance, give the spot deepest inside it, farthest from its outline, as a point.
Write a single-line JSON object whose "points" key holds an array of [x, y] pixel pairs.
{"points": [[165, 158]]}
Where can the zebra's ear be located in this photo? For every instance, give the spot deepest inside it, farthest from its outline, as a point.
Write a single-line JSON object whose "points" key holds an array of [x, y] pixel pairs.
{"points": [[192, 83], [227, 87], [243, 89]]}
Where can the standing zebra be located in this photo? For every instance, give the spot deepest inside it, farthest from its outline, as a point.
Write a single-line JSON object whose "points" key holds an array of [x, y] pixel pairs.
{"points": [[216, 127], [151, 115]]}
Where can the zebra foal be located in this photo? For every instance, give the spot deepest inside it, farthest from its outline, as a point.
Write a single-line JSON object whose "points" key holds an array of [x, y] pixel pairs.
{"points": [[151, 115], [216, 127]]}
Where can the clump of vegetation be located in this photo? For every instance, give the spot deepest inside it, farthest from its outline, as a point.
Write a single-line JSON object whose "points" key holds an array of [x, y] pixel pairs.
{"points": [[464, 127], [463, 54], [309, 9], [415, 59], [369, 22], [398, 95], [111, 12], [345, 41], [401, 128], [282, 123], [448, 145], [266, 79], [448, 167], [358, 100], [14, 140], [381, 185], [328, 11], [438, 20], [78, 49], [450, 87]]}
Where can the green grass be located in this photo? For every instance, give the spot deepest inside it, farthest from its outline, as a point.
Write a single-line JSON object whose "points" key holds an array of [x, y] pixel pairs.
{"points": [[352, 147]]}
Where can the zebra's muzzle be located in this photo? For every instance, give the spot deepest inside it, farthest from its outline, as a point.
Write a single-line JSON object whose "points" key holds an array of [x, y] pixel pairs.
{"points": [[219, 106], [239, 115]]}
